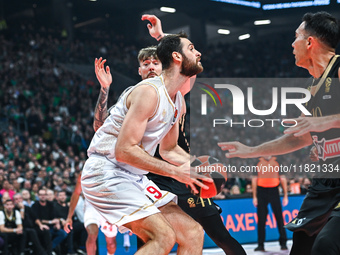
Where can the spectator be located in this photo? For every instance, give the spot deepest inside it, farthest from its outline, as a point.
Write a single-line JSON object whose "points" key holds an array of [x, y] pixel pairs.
{"points": [[6, 187], [235, 190], [11, 228], [28, 222], [46, 220], [50, 195], [26, 195], [61, 211]]}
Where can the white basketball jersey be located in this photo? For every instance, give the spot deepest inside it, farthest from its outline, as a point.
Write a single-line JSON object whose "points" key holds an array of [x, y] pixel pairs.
{"points": [[166, 114]]}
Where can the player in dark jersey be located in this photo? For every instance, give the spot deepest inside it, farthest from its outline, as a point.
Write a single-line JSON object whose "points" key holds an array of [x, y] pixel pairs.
{"points": [[203, 210], [317, 226]]}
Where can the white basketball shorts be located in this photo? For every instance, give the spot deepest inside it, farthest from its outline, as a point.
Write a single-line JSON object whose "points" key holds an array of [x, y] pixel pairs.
{"points": [[118, 195], [91, 216]]}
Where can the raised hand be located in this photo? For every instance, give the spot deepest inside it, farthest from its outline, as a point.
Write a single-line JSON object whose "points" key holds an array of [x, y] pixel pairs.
{"points": [[103, 74], [155, 28]]}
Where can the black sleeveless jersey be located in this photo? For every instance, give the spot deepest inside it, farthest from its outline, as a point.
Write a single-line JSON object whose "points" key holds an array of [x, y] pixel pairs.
{"points": [[168, 183], [10, 223], [326, 102]]}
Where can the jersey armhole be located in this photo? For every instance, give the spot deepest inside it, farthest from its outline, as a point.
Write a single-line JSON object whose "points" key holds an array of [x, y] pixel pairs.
{"points": [[158, 98]]}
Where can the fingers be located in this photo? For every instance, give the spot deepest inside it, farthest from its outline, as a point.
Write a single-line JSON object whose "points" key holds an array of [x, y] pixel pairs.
{"points": [[101, 65], [227, 145], [148, 17], [297, 131], [231, 147], [193, 188], [149, 26], [302, 126], [201, 184], [292, 121], [195, 176], [231, 154], [145, 16]]}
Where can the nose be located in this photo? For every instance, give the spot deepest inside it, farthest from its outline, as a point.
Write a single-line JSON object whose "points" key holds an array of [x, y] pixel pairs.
{"points": [[151, 67], [198, 54]]}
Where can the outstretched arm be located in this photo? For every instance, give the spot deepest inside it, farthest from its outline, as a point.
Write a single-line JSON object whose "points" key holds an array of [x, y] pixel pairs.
{"points": [[73, 203], [316, 124], [283, 145], [105, 79]]}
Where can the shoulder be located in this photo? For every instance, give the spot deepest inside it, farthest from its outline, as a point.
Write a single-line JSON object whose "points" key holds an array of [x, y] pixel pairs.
{"points": [[143, 96], [17, 214]]}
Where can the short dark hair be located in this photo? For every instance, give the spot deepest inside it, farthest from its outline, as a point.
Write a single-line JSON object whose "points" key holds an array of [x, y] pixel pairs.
{"points": [[8, 200], [42, 189], [167, 46], [148, 52], [323, 26], [61, 191]]}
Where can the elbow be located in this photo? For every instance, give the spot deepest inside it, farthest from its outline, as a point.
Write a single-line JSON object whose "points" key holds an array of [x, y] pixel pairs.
{"points": [[120, 154], [95, 128]]}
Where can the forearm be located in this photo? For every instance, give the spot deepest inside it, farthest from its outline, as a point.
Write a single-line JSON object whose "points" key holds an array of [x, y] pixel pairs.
{"points": [[100, 112], [254, 187], [283, 145], [74, 200], [137, 157], [331, 121], [284, 186], [38, 222], [177, 156], [49, 222], [8, 230]]}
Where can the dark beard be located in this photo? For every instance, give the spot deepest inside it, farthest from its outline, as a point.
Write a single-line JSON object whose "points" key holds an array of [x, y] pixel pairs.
{"points": [[190, 69]]}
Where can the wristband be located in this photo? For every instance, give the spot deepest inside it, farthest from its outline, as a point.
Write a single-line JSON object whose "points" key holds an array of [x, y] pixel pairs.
{"points": [[49, 222], [14, 230], [22, 210]]}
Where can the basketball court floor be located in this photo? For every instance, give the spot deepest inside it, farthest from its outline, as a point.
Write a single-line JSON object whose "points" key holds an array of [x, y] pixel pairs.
{"points": [[272, 248]]}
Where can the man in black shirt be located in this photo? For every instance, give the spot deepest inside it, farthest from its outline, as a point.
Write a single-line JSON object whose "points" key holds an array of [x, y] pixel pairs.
{"points": [[61, 210], [46, 220], [28, 223]]}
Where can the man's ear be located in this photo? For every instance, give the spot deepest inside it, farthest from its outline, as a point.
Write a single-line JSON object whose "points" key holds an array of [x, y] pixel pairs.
{"points": [[177, 57], [139, 72], [310, 41]]}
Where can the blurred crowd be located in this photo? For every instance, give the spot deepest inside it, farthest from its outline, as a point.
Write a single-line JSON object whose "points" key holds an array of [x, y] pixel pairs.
{"points": [[47, 110]]}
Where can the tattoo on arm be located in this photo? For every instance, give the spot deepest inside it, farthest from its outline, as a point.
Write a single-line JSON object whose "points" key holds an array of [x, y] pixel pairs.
{"points": [[100, 112]]}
